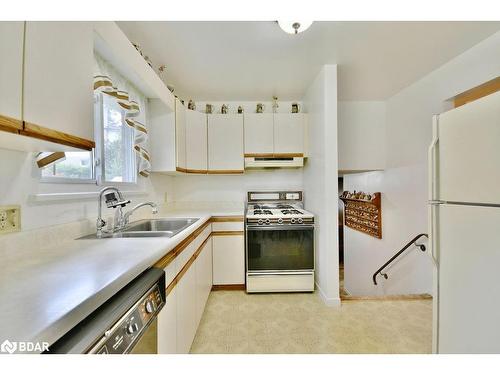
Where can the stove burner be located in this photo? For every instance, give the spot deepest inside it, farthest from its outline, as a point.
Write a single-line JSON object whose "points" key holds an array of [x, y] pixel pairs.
{"points": [[263, 207], [291, 212], [262, 212]]}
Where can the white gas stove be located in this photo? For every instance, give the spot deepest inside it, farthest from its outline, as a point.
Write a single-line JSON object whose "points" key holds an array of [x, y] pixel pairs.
{"points": [[279, 243], [278, 213]]}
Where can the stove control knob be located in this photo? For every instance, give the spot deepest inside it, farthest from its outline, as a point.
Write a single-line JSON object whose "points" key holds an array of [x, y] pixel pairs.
{"points": [[292, 221], [260, 221], [149, 306], [300, 220], [280, 221], [268, 221], [132, 328]]}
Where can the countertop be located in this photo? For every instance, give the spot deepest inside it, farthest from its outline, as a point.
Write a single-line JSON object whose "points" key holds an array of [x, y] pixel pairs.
{"points": [[46, 292]]}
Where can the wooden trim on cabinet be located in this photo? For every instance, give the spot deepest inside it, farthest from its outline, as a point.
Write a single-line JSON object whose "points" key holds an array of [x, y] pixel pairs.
{"points": [[228, 233], [264, 155], [174, 253], [289, 155], [196, 171], [179, 169], [229, 287], [9, 124], [477, 92], [188, 264], [46, 134], [227, 219], [224, 171], [171, 286]]}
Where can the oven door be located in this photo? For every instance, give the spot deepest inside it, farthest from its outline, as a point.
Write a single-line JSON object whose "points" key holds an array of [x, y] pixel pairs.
{"points": [[280, 248]]}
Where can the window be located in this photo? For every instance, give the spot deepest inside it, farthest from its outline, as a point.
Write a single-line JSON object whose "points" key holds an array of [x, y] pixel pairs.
{"points": [[75, 165], [114, 150], [113, 159]]}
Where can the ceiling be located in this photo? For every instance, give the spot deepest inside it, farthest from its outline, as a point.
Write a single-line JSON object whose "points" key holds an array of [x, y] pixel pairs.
{"points": [[256, 60]]}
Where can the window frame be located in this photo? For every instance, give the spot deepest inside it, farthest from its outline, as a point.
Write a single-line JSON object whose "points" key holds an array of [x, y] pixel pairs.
{"points": [[97, 157]]}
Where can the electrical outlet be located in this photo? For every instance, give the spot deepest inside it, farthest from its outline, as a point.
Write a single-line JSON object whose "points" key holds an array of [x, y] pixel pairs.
{"points": [[10, 219]]}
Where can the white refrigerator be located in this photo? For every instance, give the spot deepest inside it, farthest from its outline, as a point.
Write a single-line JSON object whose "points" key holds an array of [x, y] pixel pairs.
{"points": [[464, 209]]}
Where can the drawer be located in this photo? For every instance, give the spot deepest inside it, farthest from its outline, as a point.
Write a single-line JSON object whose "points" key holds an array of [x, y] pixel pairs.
{"points": [[189, 251], [202, 237], [233, 226], [171, 271]]}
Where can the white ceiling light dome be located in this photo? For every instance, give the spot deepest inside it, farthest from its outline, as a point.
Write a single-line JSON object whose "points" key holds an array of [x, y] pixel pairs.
{"points": [[294, 27]]}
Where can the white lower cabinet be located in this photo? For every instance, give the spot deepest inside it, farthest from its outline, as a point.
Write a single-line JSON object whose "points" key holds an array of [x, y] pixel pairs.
{"points": [[167, 325], [228, 259], [179, 319], [186, 311], [203, 278]]}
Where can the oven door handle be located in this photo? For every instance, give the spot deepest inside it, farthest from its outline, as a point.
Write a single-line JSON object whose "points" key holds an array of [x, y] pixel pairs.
{"points": [[280, 227]]}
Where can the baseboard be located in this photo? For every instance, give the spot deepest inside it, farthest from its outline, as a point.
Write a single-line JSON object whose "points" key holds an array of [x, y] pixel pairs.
{"points": [[229, 287], [329, 301], [396, 297]]}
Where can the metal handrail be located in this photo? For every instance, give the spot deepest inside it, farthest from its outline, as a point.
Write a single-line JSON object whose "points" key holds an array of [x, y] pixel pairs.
{"points": [[412, 242]]}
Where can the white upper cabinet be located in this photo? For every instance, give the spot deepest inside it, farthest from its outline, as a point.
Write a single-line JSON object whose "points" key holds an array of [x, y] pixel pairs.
{"points": [[180, 135], [259, 134], [11, 74], [58, 78], [289, 133], [225, 143], [196, 142]]}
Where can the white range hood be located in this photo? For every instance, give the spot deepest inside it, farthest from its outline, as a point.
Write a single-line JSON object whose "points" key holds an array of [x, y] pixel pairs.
{"points": [[274, 162]]}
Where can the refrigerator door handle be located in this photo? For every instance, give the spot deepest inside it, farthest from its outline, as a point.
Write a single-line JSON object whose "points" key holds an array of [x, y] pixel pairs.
{"points": [[432, 159]]}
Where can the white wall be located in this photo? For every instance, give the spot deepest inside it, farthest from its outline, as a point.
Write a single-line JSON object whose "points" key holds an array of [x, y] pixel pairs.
{"points": [[404, 182], [320, 179], [19, 181], [361, 134], [233, 188]]}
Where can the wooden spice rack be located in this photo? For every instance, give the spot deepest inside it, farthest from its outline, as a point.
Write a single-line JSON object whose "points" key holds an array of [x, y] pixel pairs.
{"points": [[364, 215]]}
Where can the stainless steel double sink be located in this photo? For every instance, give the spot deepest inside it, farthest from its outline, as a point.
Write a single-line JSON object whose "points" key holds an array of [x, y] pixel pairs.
{"points": [[166, 227]]}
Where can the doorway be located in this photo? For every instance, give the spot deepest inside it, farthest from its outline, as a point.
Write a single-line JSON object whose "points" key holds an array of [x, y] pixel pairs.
{"points": [[342, 291]]}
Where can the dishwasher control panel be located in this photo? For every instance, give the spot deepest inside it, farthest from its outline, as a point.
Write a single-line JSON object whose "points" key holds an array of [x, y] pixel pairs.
{"points": [[120, 338]]}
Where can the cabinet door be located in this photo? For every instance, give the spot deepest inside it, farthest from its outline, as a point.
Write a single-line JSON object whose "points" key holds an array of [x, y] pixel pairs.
{"points": [[196, 142], [225, 143], [259, 133], [58, 78], [203, 278], [289, 133], [180, 135], [11, 75], [228, 260], [167, 325], [186, 311]]}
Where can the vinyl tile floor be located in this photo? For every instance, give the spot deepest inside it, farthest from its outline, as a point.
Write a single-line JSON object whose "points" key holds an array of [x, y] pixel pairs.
{"points": [[235, 322]]}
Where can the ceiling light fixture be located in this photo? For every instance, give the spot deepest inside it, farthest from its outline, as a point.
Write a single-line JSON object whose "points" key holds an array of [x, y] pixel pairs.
{"points": [[294, 27]]}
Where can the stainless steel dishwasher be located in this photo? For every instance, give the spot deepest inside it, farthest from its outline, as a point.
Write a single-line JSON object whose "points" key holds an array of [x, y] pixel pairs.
{"points": [[124, 324]]}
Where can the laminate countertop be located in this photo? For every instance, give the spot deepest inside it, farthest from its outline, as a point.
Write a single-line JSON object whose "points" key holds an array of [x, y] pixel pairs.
{"points": [[44, 292]]}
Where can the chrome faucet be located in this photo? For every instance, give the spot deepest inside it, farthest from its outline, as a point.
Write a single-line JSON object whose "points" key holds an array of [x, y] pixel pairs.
{"points": [[112, 201], [126, 216]]}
